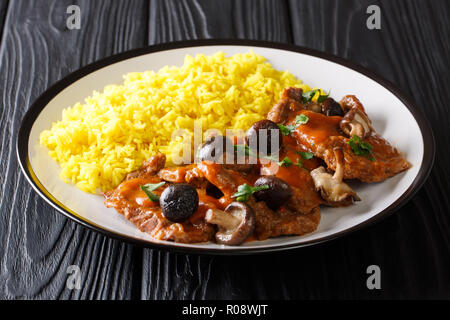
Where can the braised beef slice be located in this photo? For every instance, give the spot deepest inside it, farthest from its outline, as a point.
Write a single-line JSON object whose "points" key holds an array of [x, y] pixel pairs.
{"points": [[148, 218], [388, 160]]}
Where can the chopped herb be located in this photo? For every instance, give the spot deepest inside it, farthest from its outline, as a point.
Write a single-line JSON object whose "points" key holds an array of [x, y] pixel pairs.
{"points": [[361, 148], [309, 95], [323, 97], [149, 187], [306, 155], [245, 191], [286, 162], [286, 130], [299, 119], [301, 164]]}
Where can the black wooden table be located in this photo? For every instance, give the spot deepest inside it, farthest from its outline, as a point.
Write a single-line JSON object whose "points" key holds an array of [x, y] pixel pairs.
{"points": [[37, 244]]}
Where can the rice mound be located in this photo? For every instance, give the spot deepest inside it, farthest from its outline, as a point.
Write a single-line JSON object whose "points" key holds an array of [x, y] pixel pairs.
{"points": [[97, 143]]}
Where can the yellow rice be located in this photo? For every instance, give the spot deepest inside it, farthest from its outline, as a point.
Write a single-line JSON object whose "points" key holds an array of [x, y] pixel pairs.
{"points": [[99, 141]]}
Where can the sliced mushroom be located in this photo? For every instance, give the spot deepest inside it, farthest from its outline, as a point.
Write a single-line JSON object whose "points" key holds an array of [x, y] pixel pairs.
{"points": [[235, 224], [356, 122], [332, 189]]}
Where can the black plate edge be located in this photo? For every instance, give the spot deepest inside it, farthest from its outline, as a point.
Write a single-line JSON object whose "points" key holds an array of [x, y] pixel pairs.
{"points": [[44, 98]]}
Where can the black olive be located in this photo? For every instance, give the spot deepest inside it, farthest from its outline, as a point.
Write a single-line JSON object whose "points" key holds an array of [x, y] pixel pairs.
{"points": [[214, 149], [179, 202], [332, 108], [278, 193], [273, 132]]}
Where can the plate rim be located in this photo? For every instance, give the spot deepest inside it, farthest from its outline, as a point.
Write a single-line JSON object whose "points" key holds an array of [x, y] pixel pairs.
{"points": [[41, 102]]}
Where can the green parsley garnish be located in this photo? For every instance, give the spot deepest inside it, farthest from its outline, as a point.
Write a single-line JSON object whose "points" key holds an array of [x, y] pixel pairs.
{"points": [[299, 119], [245, 191], [308, 95], [286, 130], [323, 97], [149, 187], [299, 163], [361, 148], [285, 162], [306, 155]]}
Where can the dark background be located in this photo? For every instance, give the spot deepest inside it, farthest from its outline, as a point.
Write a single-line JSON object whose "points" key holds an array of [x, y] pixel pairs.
{"points": [[412, 246]]}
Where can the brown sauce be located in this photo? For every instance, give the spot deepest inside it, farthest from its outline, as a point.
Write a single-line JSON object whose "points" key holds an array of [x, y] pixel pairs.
{"points": [[131, 191], [318, 128]]}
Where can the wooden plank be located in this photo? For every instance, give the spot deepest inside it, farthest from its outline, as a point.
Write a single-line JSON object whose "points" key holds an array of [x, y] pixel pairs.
{"points": [[411, 49], [36, 243]]}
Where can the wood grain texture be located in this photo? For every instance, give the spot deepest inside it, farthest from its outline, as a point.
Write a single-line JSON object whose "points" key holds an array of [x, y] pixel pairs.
{"points": [[3, 9], [36, 243], [203, 19], [412, 247]]}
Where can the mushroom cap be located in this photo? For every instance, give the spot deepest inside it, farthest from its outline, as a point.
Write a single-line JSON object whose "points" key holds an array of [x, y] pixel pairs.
{"points": [[235, 233], [276, 195], [213, 149], [264, 135], [349, 102], [220, 149], [356, 122], [179, 202]]}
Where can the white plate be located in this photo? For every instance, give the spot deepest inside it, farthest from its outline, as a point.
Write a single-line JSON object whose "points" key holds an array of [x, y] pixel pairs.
{"points": [[393, 116]]}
